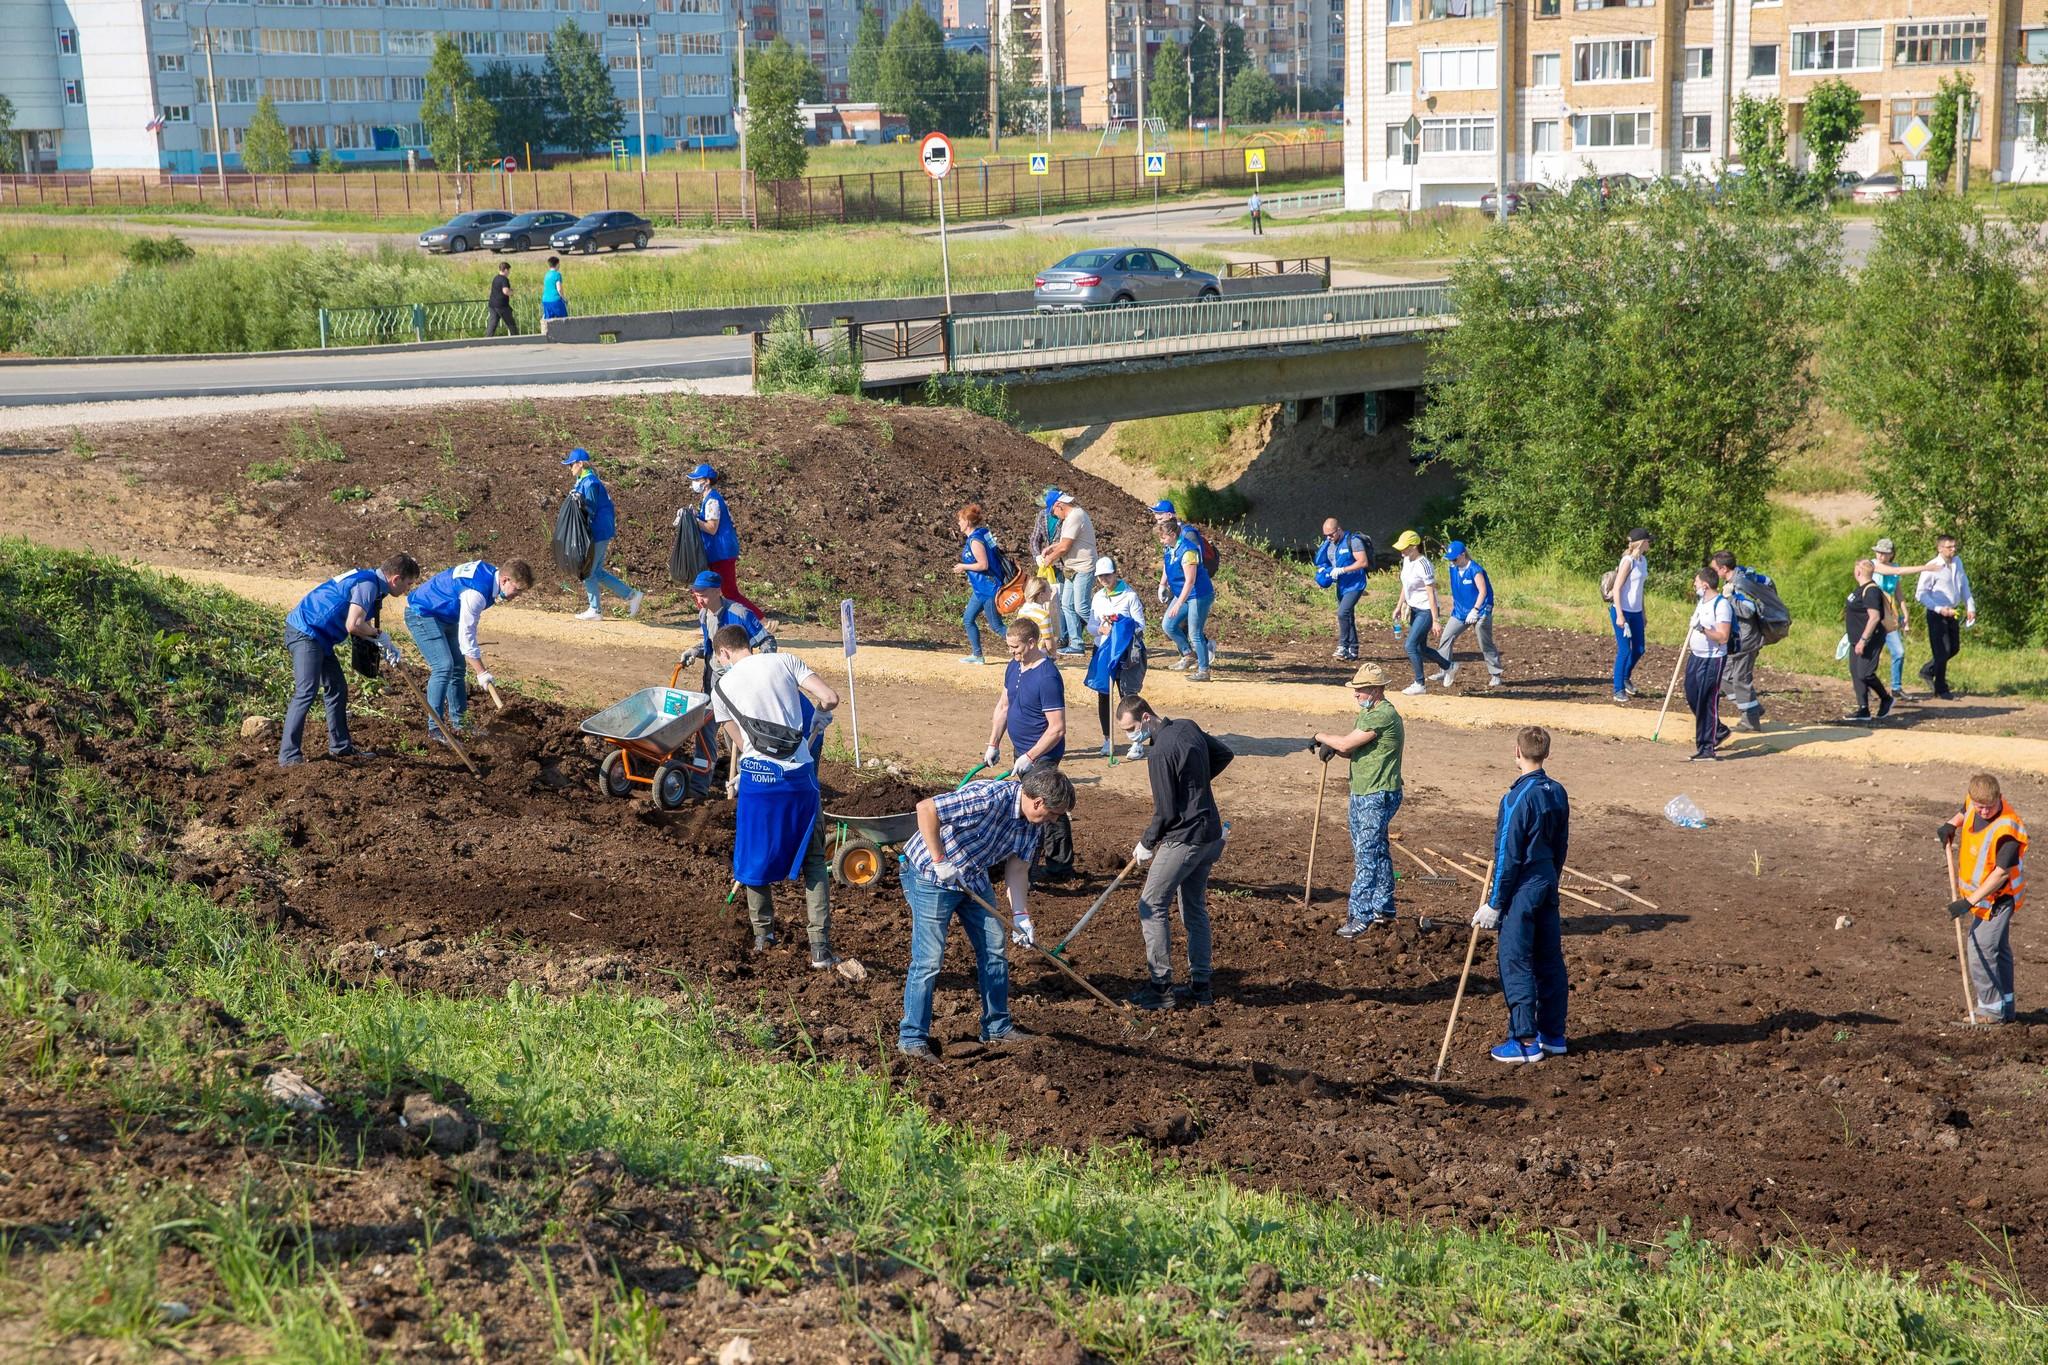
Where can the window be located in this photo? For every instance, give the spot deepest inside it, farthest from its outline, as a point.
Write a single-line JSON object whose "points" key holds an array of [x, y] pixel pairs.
{"points": [[1451, 136], [622, 61], [1612, 59], [412, 4], [1837, 49], [306, 138], [1699, 63], [409, 42], [671, 85], [470, 4], [2024, 123], [1460, 9], [177, 113], [1546, 70], [292, 89], [1396, 140], [232, 41], [472, 43], [355, 42], [526, 44], [232, 90], [625, 21], [1400, 11], [304, 42], [704, 125], [703, 85], [1614, 4], [342, 89], [165, 10], [74, 91], [1544, 136], [1905, 111], [170, 61], [1763, 59], [1611, 130], [67, 42], [1400, 78], [233, 137], [1457, 68], [527, 5], [672, 125], [1938, 42], [664, 44], [2034, 46], [408, 89], [353, 137], [702, 44], [1696, 133], [1547, 9]]}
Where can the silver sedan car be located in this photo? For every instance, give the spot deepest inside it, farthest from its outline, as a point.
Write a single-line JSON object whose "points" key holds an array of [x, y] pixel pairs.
{"points": [[1115, 277]]}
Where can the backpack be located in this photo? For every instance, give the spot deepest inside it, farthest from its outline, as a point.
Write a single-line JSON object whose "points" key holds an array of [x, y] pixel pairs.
{"points": [[1773, 619], [573, 548], [1607, 587], [1001, 567], [772, 738], [1210, 559]]}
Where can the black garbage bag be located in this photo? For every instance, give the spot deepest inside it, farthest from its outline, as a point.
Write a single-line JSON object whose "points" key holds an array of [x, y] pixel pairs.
{"points": [[574, 549], [366, 657], [686, 555]]}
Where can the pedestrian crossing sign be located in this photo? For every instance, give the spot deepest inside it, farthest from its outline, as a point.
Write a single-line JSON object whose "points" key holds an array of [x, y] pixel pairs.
{"points": [[1254, 160], [1041, 163], [1155, 163]]}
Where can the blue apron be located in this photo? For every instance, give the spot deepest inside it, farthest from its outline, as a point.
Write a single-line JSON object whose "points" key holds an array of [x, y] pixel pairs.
{"points": [[1110, 657], [773, 820]]}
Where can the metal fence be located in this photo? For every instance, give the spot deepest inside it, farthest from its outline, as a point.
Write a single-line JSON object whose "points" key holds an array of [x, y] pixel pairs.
{"points": [[386, 324], [1024, 340], [1290, 265]]}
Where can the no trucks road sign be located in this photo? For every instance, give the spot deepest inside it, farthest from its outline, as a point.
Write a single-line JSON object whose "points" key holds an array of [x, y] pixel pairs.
{"points": [[935, 154]]}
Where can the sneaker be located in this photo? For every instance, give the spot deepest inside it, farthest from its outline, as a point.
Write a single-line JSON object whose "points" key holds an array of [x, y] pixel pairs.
{"points": [[1109, 748], [1553, 1046], [1136, 753], [299, 762], [1182, 664], [1439, 676], [1073, 651], [633, 602], [1414, 689], [1496, 680], [1885, 708], [1854, 718], [354, 751], [1516, 1050], [1450, 675], [1945, 695], [1631, 689], [587, 614], [1199, 675], [1153, 996], [917, 1052], [763, 942], [1016, 1039], [974, 659], [1199, 995], [1354, 928], [1340, 655], [824, 963], [1621, 699], [1703, 757], [1750, 720], [1721, 733]]}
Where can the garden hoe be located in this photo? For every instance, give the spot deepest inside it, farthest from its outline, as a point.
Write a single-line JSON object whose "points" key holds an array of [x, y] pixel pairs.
{"points": [[1471, 946], [1079, 980], [1669, 688], [1316, 826], [1082, 923], [447, 730], [1955, 893], [1429, 874]]}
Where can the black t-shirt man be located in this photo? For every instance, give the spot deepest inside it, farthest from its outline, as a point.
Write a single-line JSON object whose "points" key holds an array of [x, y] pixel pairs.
{"points": [[501, 292], [1865, 611]]}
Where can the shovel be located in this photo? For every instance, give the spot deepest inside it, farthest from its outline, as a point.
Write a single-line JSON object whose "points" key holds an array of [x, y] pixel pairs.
{"points": [[1955, 893], [447, 730], [1315, 828], [1471, 945], [1082, 923]]}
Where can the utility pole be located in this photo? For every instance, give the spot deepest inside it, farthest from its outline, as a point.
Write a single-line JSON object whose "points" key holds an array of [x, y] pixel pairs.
{"points": [[220, 150], [1221, 128], [1298, 40], [740, 105], [1963, 142], [1045, 60], [640, 97], [1501, 68], [1138, 77], [995, 110], [1191, 80]]}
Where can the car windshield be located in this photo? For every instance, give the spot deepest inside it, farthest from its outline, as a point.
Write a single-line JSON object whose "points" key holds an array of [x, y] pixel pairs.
{"points": [[466, 219], [1089, 260], [593, 221]]}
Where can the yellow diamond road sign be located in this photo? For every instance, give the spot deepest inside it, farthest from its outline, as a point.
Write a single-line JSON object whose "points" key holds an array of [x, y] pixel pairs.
{"points": [[1041, 164], [1917, 136], [1255, 161]]}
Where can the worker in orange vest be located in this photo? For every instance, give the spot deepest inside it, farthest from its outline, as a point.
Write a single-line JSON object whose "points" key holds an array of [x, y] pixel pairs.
{"points": [[1991, 869]]}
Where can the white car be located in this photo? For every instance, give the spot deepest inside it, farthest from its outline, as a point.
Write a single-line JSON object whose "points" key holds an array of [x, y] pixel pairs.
{"points": [[1877, 189]]}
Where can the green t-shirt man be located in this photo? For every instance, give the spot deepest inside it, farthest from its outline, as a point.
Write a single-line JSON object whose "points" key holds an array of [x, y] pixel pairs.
{"points": [[1377, 766]]}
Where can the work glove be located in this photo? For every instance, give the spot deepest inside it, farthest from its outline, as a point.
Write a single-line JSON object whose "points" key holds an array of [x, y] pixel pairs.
{"points": [[1486, 917], [1946, 832], [1958, 908], [1323, 752], [389, 646], [732, 788], [990, 755], [1141, 854], [1024, 933], [1162, 592], [1021, 766], [690, 656], [1473, 619], [946, 873], [484, 679]]}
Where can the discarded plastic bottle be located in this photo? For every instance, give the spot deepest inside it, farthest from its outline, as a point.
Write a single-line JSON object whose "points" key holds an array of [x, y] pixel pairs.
{"points": [[1226, 831], [1681, 811]]}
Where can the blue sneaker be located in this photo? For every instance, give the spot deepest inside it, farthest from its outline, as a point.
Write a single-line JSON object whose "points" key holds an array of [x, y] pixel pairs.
{"points": [[1517, 1050], [1353, 928], [1552, 1045]]}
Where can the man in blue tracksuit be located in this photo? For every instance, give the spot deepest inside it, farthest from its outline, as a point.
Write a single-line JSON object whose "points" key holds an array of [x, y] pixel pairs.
{"points": [[604, 524], [346, 604], [1521, 901]]}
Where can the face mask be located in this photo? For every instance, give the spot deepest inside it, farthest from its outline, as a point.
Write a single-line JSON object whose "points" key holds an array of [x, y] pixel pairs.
{"points": [[699, 485]]}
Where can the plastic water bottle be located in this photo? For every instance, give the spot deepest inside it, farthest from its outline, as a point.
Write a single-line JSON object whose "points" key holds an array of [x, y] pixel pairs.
{"points": [[1681, 811], [1397, 629]]}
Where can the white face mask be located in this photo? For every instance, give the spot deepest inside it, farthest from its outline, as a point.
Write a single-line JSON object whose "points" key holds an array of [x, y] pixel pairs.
{"points": [[699, 485]]}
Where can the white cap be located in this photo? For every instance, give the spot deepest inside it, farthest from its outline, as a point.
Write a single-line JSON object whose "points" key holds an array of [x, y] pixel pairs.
{"points": [[1105, 565]]}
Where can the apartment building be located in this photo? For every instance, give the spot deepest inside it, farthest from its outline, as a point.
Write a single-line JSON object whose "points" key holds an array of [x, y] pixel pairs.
{"points": [[1295, 38], [1649, 88], [124, 85], [823, 30]]}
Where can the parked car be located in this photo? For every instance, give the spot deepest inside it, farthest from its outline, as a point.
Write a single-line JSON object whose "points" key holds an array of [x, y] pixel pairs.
{"points": [[614, 228], [1609, 189], [1877, 188], [1527, 195], [463, 231], [1113, 277], [1847, 181], [520, 233]]}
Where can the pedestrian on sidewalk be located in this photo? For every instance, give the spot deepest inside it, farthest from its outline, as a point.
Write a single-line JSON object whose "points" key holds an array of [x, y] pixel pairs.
{"points": [[1706, 643], [346, 605], [1031, 712], [1416, 611], [1072, 551], [1116, 623], [1373, 745], [1186, 589], [773, 710], [1863, 622], [1530, 835], [978, 558], [1738, 677], [1991, 872], [553, 303], [1178, 848], [500, 303], [1342, 561], [1255, 204], [441, 615], [1624, 593], [961, 835], [712, 517], [1944, 590], [1887, 575], [1471, 609], [604, 526], [714, 613]]}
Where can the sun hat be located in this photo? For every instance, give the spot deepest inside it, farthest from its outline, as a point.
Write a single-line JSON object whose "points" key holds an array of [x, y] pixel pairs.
{"points": [[1884, 546], [1369, 675]]}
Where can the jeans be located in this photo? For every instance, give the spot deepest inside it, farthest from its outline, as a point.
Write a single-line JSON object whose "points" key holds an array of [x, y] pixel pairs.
{"points": [[1703, 695], [1628, 647], [1458, 625], [729, 583], [1416, 641], [1895, 645], [1532, 975], [1347, 618], [599, 579], [447, 677], [1372, 877], [932, 909], [1178, 870], [977, 608], [1075, 594], [315, 670], [1188, 628]]}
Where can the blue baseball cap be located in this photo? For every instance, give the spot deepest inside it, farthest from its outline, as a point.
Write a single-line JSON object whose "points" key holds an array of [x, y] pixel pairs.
{"points": [[577, 456], [706, 578], [1163, 508], [1454, 550], [703, 471], [1052, 498]]}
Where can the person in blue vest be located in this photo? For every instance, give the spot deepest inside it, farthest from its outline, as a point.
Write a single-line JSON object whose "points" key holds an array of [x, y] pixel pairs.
{"points": [[1521, 902], [604, 525], [1342, 561], [346, 604], [1471, 609], [442, 615], [715, 612], [1185, 589], [979, 558], [713, 520]]}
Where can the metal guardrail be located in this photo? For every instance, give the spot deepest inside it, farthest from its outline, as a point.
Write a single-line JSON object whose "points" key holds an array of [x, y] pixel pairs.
{"points": [[385, 324], [1000, 341], [1312, 201], [1292, 265]]}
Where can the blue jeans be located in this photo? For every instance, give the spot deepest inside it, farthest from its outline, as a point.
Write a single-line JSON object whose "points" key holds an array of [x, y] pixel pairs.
{"points": [[1075, 593], [977, 608], [1532, 975], [1347, 618], [1895, 645], [447, 677], [315, 670], [1628, 646], [1188, 628], [599, 579], [932, 908], [1372, 877], [1416, 641]]}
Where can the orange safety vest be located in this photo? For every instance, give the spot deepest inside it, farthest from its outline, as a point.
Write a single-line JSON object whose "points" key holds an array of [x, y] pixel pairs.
{"points": [[1976, 856]]}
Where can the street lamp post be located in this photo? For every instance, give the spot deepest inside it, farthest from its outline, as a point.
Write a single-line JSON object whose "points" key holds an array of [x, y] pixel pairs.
{"points": [[740, 103], [640, 97], [220, 151]]}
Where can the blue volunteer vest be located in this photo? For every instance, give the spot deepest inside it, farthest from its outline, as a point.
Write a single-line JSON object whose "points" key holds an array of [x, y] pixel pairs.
{"points": [[1189, 543], [731, 614], [1465, 590], [1329, 556], [724, 543], [440, 597], [604, 522], [985, 584], [322, 614]]}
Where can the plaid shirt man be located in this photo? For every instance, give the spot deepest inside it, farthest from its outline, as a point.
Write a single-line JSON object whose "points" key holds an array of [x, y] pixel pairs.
{"points": [[982, 825]]}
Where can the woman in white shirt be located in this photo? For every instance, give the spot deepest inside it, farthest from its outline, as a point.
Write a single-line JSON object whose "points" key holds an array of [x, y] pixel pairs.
{"points": [[1625, 606], [1116, 615], [1417, 607], [1706, 643]]}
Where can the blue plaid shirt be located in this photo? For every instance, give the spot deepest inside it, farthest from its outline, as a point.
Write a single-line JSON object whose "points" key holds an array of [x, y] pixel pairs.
{"points": [[982, 825]]}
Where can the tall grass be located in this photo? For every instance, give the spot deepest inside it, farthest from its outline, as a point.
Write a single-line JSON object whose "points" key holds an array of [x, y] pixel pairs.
{"points": [[1431, 235]]}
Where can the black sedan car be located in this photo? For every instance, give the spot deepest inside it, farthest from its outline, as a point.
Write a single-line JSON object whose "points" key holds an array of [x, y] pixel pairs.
{"points": [[526, 231], [462, 232], [614, 228], [1523, 196]]}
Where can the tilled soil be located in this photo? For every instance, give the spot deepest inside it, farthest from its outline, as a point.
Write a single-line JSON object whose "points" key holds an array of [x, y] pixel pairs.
{"points": [[1738, 1061]]}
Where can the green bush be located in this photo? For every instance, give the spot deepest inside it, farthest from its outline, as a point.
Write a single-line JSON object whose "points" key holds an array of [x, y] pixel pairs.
{"points": [[1206, 506], [983, 397], [793, 363], [158, 251]]}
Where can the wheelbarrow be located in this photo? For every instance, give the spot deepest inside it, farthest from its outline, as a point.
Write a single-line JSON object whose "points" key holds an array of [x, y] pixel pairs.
{"points": [[659, 740], [857, 842]]}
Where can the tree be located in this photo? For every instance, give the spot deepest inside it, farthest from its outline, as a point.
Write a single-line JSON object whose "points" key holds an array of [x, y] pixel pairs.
{"points": [[1941, 357], [1253, 97], [1166, 94], [1233, 55], [10, 145], [1760, 135], [914, 78], [1023, 98], [864, 63], [460, 123], [520, 98], [775, 132], [1202, 53], [1833, 118], [266, 147], [1941, 148], [1608, 372], [584, 114]]}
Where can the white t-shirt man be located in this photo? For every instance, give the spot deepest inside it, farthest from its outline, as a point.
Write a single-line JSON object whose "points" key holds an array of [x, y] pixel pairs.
{"points": [[1633, 573], [1417, 576], [1077, 528], [767, 687], [1713, 610]]}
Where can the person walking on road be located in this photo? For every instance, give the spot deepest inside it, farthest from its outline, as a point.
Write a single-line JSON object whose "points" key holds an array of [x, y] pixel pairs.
{"points": [[977, 564], [1186, 589], [1471, 609], [773, 710], [1178, 849], [1738, 678], [1887, 575], [1863, 625], [1373, 746], [500, 302], [1342, 562], [604, 526], [441, 615], [1625, 609], [1256, 205], [1529, 840], [1944, 591], [1990, 849], [345, 605], [1031, 712], [961, 836], [713, 519], [1116, 623], [1416, 611], [553, 303], [1072, 552], [1706, 643]]}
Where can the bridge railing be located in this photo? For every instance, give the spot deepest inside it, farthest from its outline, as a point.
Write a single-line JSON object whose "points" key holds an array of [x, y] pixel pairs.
{"points": [[1288, 265], [1026, 340], [391, 323]]}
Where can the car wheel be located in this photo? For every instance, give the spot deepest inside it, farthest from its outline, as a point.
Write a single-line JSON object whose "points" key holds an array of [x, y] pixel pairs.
{"points": [[525, 244], [1122, 301], [639, 241], [590, 246], [458, 245], [1209, 293]]}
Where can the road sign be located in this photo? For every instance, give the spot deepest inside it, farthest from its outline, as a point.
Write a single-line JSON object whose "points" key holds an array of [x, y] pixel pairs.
{"points": [[935, 154], [1155, 163], [1254, 160], [1412, 129], [1041, 164], [1917, 136], [511, 164]]}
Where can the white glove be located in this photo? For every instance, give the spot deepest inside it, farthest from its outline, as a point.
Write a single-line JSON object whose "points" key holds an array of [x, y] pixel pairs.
{"points": [[484, 679], [1141, 854], [1472, 619], [679, 516], [989, 757], [945, 873], [1486, 917], [1021, 766], [389, 646], [1162, 592], [1024, 933], [689, 656]]}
